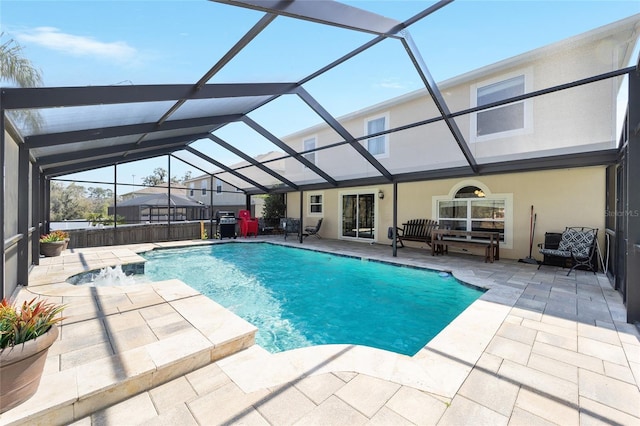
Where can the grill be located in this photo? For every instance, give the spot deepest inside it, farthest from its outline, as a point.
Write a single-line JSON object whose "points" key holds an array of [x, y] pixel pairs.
{"points": [[226, 221]]}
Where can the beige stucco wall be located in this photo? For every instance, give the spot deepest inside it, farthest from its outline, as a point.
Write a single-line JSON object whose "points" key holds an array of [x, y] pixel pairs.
{"points": [[567, 197], [559, 123]]}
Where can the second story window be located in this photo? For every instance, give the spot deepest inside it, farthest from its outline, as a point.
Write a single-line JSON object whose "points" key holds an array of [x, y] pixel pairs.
{"points": [[307, 145], [377, 145], [191, 189], [203, 187], [502, 120], [218, 186]]}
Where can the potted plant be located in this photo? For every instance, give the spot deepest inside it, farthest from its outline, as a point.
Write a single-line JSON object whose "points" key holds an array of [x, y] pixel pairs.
{"points": [[65, 237], [52, 244], [26, 333]]}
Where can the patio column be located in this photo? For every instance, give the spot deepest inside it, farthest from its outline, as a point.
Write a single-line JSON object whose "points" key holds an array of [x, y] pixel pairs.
{"points": [[300, 225], [2, 206], [211, 208], [35, 214], [23, 214], [168, 198], [115, 204], [394, 224], [632, 213], [46, 207]]}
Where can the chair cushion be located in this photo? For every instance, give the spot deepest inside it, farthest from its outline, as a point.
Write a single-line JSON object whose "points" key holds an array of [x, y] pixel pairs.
{"points": [[577, 242], [556, 252]]}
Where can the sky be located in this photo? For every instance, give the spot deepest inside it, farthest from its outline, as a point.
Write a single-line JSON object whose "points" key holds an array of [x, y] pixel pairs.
{"points": [[81, 43]]}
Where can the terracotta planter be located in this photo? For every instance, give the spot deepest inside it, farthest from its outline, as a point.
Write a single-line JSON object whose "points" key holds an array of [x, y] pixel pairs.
{"points": [[52, 249], [21, 367], [66, 243]]}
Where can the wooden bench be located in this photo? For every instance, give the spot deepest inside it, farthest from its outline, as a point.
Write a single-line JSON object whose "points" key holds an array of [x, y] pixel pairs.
{"points": [[416, 230], [443, 238]]}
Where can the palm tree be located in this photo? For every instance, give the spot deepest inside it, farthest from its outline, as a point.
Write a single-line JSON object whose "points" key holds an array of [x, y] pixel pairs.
{"points": [[18, 70], [14, 67]]}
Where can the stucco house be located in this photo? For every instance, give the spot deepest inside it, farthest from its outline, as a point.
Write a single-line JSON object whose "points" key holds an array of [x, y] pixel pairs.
{"points": [[581, 120]]}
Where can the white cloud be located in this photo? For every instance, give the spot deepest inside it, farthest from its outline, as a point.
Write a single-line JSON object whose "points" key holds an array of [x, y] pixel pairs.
{"points": [[53, 38], [391, 84]]}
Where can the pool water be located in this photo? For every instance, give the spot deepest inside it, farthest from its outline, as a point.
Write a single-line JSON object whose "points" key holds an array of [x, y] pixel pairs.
{"points": [[301, 298]]}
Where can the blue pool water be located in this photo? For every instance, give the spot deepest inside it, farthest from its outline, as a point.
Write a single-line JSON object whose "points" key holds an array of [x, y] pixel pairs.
{"points": [[300, 298]]}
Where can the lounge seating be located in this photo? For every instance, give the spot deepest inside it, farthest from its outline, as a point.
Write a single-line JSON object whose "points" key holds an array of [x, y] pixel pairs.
{"points": [[418, 230], [577, 245], [312, 230]]}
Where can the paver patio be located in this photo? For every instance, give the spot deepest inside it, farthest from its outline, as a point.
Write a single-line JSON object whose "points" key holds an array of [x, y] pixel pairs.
{"points": [[537, 348]]}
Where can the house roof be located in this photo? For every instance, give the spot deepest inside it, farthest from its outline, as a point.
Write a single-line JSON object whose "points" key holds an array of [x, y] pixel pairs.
{"points": [[160, 188], [83, 128], [160, 200]]}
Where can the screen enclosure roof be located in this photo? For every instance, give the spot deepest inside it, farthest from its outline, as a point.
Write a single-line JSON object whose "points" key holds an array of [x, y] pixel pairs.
{"points": [[229, 123]]}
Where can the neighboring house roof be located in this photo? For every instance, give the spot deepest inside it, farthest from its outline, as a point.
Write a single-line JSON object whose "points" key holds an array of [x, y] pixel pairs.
{"points": [[161, 188], [261, 158], [159, 200]]}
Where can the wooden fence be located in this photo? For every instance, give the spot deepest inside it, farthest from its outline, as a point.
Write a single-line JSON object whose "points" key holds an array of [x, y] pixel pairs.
{"points": [[133, 234]]}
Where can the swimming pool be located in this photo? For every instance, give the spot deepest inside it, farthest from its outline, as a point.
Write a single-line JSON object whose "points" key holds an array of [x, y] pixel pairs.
{"points": [[301, 298]]}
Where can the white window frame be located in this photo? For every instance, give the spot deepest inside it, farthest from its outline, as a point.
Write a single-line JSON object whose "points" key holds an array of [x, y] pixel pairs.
{"points": [[203, 187], [365, 143], [528, 107], [321, 203], [192, 189], [218, 186], [506, 197], [312, 156]]}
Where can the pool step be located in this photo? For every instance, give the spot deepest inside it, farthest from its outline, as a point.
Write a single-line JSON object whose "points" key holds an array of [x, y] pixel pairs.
{"points": [[190, 332]]}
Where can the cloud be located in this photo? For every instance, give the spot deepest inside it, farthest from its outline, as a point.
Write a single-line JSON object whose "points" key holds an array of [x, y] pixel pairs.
{"points": [[53, 38], [390, 84]]}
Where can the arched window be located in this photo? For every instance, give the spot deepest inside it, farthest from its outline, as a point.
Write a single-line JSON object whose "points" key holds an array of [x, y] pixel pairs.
{"points": [[470, 192], [473, 208]]}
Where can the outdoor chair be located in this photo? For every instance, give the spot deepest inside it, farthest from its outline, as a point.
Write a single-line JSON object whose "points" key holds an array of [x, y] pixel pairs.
{"points": [[290, 226], [312, 230], [577, 245], [248, 224]]}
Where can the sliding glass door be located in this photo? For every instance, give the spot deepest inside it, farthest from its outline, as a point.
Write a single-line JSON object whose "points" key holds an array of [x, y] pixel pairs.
{"points": [[358, 216]]}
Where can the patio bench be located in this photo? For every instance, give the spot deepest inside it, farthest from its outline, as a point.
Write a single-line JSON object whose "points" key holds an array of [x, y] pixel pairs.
{"points": [[488, 241], [442, 247], [418, 230]]}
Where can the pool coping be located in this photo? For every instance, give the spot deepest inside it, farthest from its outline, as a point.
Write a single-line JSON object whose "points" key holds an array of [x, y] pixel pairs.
{"points": [[439, 367]]}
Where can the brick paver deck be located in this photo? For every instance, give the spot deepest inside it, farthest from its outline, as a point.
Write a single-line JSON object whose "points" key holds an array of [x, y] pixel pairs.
{"points": [[537, 348]]}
